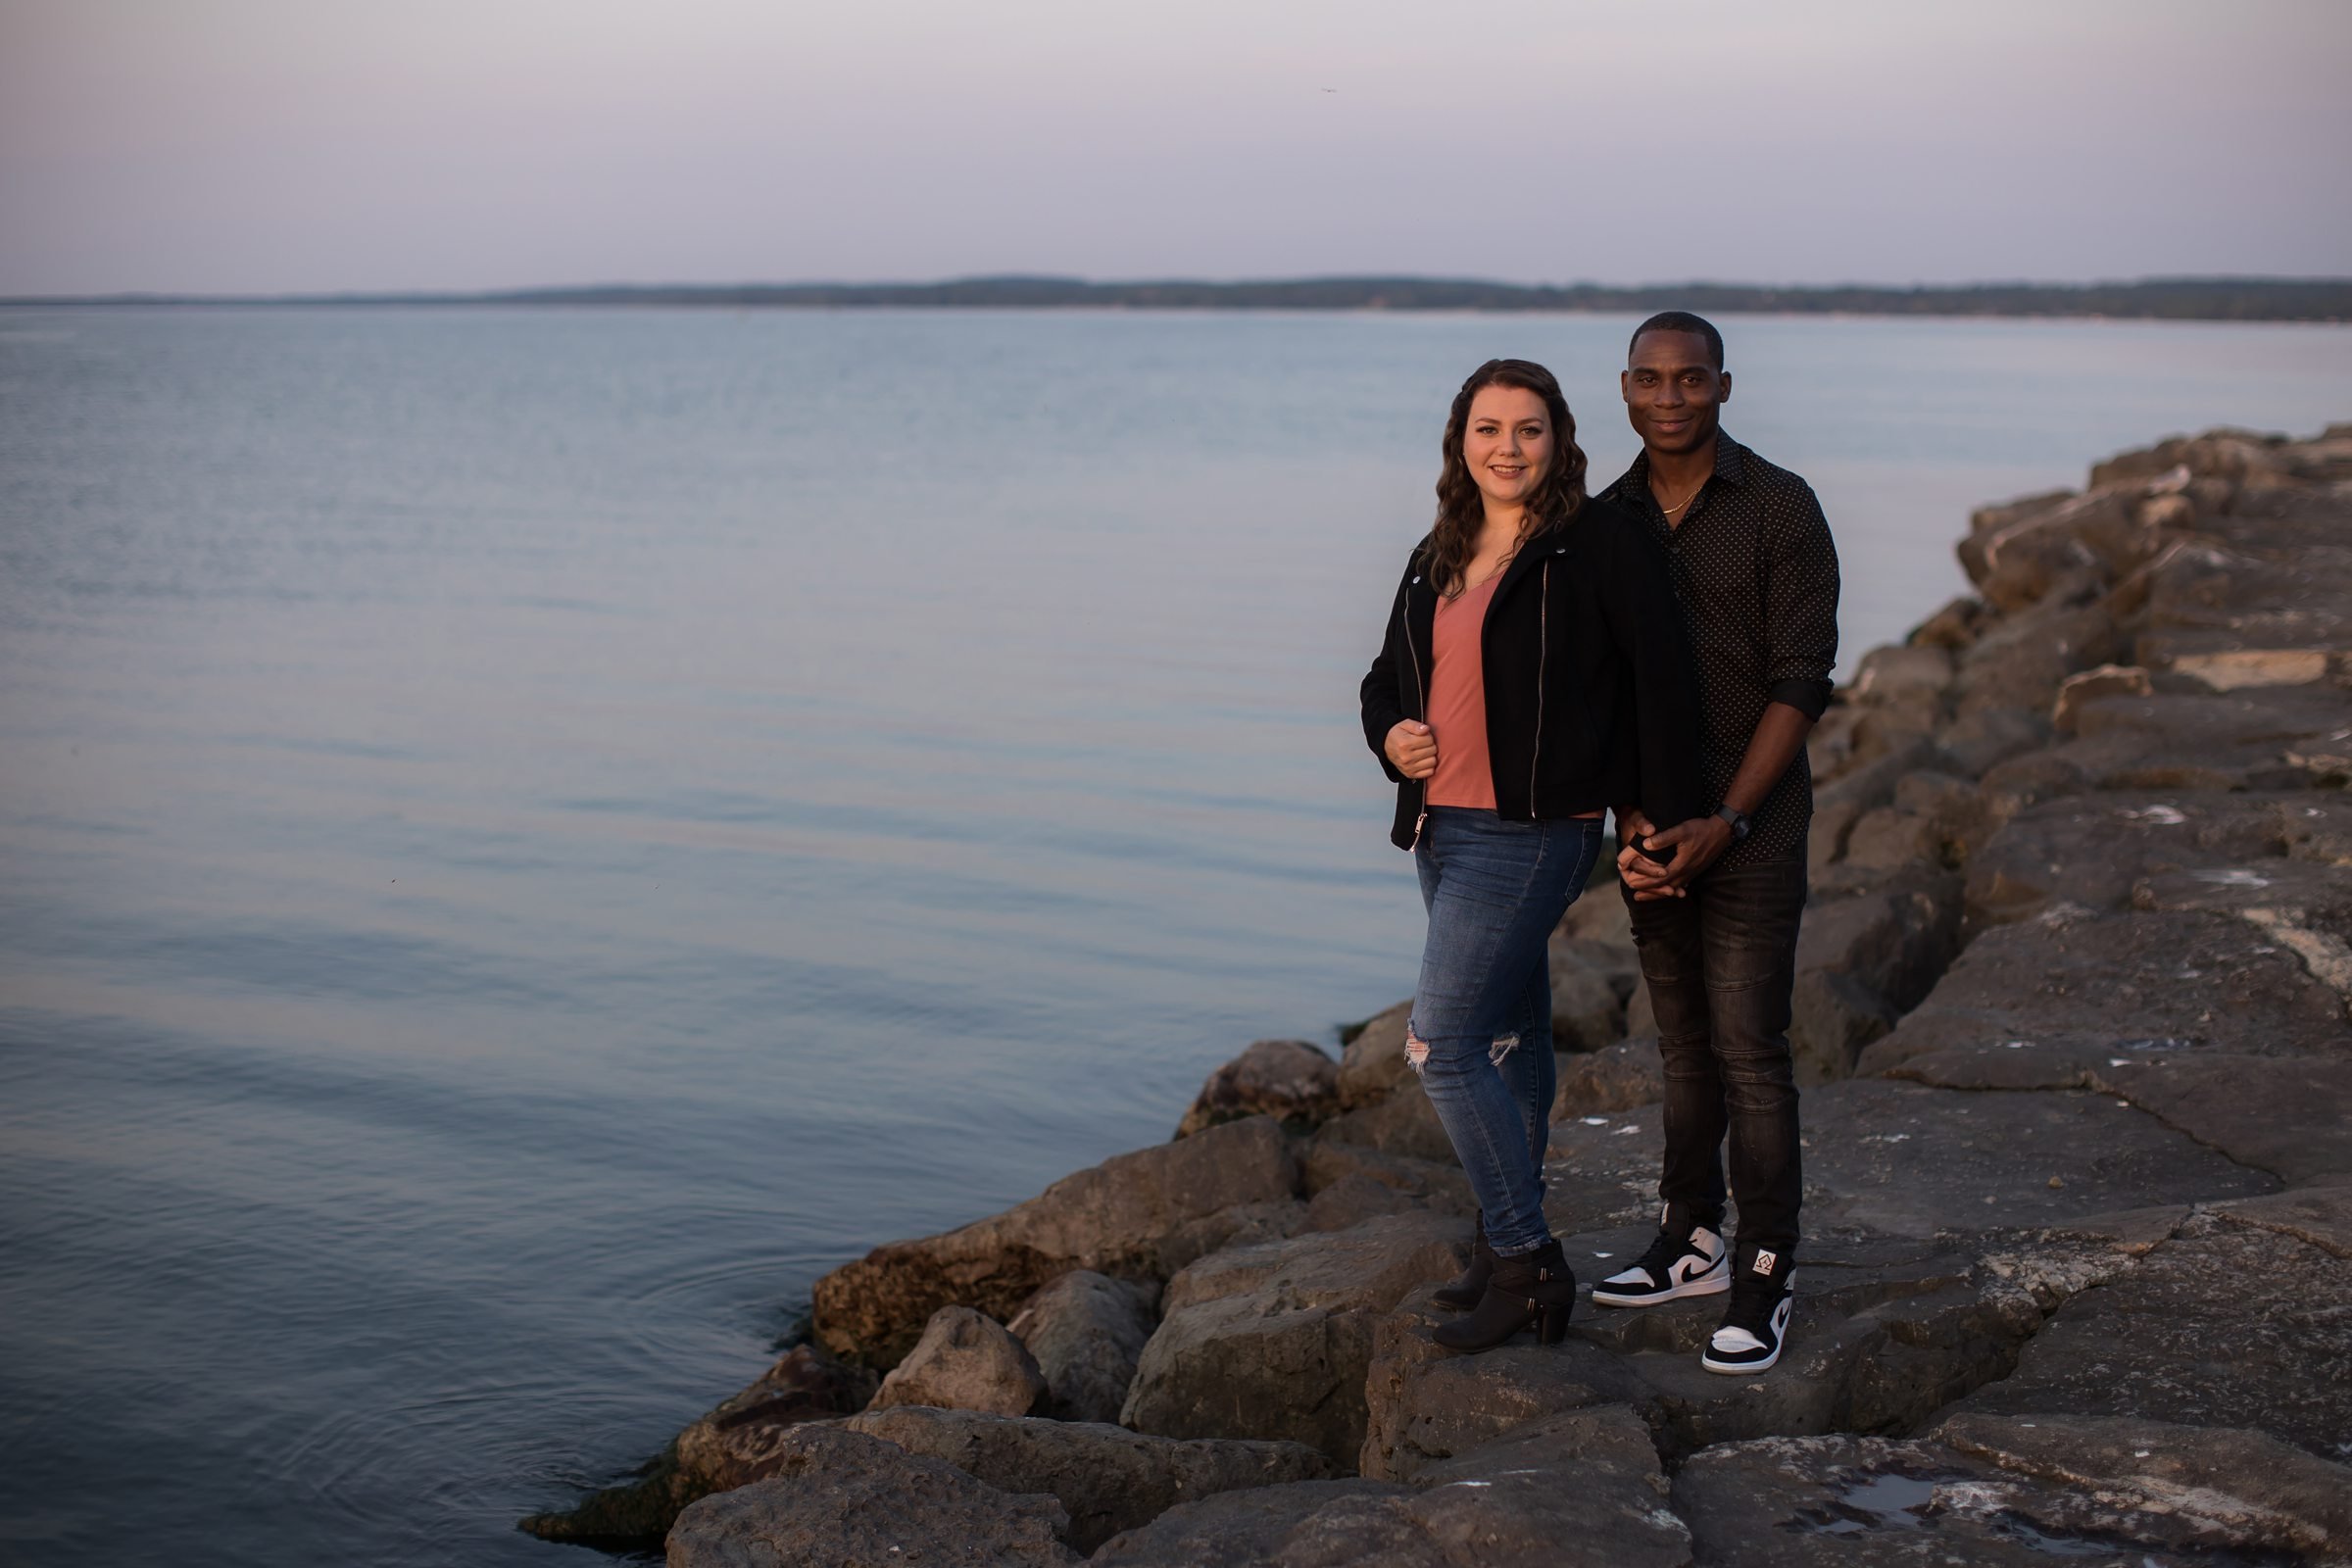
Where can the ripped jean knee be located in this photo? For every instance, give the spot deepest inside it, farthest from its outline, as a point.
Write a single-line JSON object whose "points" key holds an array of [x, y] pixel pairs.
{"points": [[1416, 1049]]}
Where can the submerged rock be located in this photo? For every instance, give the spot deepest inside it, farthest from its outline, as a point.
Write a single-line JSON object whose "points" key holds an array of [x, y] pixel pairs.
{"points": [[735, 1442]]}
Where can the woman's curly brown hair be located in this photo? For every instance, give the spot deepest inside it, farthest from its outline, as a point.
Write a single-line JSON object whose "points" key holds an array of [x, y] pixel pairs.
{"points": [[1461, 510]]}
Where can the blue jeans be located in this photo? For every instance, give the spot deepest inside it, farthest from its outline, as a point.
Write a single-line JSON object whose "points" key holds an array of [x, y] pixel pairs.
{"points": [[1482, 1013]]}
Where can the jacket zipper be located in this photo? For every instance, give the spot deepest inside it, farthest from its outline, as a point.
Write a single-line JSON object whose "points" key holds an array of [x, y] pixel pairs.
{"points": [[1542, 652], [1414, 655]]}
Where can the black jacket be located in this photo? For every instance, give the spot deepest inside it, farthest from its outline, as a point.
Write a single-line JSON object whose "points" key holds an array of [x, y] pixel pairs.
{"points": [[1592, 697]]}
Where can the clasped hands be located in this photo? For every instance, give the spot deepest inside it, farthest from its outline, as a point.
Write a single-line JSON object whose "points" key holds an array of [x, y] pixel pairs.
{"points": [[1693, 846]]}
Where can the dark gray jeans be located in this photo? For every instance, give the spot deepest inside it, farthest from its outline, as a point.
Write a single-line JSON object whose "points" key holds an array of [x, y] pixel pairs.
{"points": [[1720, 965]]}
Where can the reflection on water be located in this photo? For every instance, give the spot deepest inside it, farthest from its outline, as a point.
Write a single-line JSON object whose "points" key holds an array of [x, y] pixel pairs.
{"points": [[526, 836]]}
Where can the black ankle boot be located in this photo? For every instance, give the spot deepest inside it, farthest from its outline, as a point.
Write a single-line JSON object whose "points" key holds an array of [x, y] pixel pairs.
{"points": [[1532, 1288], [1469, 1287]]}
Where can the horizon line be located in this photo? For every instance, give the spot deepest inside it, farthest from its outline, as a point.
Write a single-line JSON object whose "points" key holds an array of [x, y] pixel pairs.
{"points": [[2205, 296]]}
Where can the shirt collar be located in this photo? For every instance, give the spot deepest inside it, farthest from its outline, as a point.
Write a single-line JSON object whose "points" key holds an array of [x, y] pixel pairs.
{"points": [[1731, 464]]}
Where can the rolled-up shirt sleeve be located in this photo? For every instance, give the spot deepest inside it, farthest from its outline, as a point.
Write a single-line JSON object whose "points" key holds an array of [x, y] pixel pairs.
{"points": [[1800, 609]]}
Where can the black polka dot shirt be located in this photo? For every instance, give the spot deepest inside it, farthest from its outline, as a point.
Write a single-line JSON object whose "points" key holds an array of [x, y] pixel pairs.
{"points": [[1757, 574]]}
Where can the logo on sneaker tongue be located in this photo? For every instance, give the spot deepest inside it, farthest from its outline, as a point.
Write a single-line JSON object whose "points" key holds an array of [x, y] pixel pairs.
{"points": [[1764, 1261]]}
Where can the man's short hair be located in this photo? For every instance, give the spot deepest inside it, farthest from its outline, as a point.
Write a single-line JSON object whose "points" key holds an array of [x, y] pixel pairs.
{"points": [[1681, 322]]}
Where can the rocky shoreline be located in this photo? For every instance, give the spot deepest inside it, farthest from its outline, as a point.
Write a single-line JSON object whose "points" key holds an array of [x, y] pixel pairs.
{"points": [[2073, 1020]]}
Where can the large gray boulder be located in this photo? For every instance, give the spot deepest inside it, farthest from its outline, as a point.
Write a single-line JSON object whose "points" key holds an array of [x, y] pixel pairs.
{"points": [[2224, 1324], [1425, 1405], [1293, 1081], [1993, 1493], [1615, 1077], [1915, 675], [1144, 1213], [2062, 999], [1580, 1488], [2022, 661], [1838, 805], [2257, 739], [1590, 983], [1909, 1161], [1424, 1183], [1404, 1124], [965, 1361], [2233, 1489], [1272, 1340], [1862, 961], [1319, 1523], [1373, 1065], [2089, 850], [837, 1497], [1086, 1330], [1108, 1479], [1887, 1329]]}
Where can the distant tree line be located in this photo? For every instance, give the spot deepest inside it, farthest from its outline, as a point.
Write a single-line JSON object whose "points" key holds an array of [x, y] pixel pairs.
{"points": [[2212, 299]]}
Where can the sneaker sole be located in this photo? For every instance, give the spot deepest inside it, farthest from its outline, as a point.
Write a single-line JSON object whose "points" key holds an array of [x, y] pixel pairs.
{"points": [[1701, 1287], [1738, 1368]]}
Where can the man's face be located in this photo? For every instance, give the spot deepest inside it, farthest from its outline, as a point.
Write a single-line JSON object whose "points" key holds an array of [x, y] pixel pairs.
{"points": [[1674, 396]]}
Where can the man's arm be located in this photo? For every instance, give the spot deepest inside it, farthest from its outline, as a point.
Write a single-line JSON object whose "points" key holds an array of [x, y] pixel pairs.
{"points": [[1699, 842], [1800, 612]]}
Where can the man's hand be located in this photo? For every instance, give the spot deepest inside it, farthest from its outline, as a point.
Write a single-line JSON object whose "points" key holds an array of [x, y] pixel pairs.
{"points": [[1411, 748], [1693, 846]]}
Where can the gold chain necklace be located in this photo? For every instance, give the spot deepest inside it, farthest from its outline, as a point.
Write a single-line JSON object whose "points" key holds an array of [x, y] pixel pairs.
{"points": [[1687, 500]]}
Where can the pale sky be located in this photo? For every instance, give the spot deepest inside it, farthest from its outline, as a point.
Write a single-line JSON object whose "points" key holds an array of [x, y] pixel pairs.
{"points": [[318, 145]]}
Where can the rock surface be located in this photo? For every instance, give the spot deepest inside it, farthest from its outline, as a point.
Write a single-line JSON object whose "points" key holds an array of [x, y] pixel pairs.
{"points": [[1581, 1488], [840, 1497], [1272, 1340], [734, 1443], [965, 1361], [1289, 1080], [1086, 1330], [1143, 1213], [2009, 1494], [1106, 1478]]}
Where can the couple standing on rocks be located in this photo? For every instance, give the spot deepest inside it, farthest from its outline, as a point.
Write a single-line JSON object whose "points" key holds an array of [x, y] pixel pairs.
{"points": [[1659, 651]]}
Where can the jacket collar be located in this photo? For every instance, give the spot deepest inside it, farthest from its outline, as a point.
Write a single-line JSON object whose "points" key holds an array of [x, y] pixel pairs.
{"points": [[1530, 556]]}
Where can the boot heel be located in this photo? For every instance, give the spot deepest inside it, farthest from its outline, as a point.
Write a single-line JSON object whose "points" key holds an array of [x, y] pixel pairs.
{"points": [[1552, 1327]]}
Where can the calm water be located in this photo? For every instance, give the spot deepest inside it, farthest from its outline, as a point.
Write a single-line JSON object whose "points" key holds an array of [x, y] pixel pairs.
{"points": [[525, 837]]}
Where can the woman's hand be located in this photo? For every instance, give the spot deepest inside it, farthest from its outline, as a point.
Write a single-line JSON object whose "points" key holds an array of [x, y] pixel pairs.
{"points": [[1691, 847], [1411, 748]]}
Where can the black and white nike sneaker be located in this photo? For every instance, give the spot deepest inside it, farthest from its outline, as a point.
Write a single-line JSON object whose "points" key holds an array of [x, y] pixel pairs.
{"points": [[1756, 1323], [1679, 1263]]}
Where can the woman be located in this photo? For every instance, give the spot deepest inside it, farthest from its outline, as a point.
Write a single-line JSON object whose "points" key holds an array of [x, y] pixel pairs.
{"points": [[1535, 673]]}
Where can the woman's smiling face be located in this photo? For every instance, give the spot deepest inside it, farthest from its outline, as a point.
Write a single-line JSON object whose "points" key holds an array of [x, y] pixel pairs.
{"points": [[1507, 443]]}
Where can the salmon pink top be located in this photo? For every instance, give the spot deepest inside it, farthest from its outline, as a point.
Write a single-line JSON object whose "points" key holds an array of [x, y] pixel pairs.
{"points": [[1457, 700]]}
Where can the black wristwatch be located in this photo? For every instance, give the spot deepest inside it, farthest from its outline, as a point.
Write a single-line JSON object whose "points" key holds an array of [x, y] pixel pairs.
{"points": [[1736, 819]]}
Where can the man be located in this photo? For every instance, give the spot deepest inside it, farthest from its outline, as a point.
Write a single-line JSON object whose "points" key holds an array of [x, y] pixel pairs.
{"points": [[1716, 901]]}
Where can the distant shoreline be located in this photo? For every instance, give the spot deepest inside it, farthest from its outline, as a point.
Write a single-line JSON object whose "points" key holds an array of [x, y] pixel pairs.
{"points": [[2176, 299]]}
